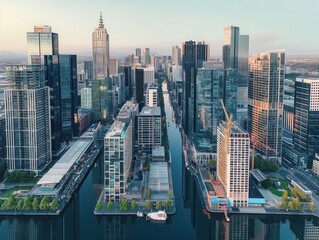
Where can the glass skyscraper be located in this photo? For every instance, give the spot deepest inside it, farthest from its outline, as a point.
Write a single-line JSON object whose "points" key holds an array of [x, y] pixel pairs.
{"points": [[230, 47], [41, 42], [27, 119], [265, 102]]}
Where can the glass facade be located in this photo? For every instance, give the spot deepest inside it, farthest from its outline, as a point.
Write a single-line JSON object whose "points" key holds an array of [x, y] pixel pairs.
{"points": [[230, 47], [265, 101]]}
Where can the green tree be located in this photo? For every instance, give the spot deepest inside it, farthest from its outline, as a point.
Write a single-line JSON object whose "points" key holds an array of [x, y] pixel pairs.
{"points": [[109, 205], [148, 205], [54, 205], [266, 183], [297, 204], [27, 204], [284, 198], [98, 206], [158, 205], [168, 204], [20, 204], [148, 192], [133, 205], [10, 203], [1, 202], [291, 206], [212, 163], [45, 203], [311, 207], [123, 204], [35, 204]]}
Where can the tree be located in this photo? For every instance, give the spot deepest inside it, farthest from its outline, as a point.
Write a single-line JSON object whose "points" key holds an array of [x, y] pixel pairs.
{"points": [[35, 204], [168, 204], [311, 207], [148, 192], [98, 206], [123, 204], [109, 205], [158, 205], [133, 205], [284, 198], [170, 194], [148, 205], [27, 204], [20, 204], [10, 203], [212, 163], [266, 183], [54, 205], [291, 206], [297, 204], [45, 203]]}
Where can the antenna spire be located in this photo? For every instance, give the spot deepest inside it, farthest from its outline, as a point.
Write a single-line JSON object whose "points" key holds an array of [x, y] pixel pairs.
{"points": [[101, 25]]}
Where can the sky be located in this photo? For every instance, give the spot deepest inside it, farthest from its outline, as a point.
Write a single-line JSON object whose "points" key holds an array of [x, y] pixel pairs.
{"points": [[159, 24]]}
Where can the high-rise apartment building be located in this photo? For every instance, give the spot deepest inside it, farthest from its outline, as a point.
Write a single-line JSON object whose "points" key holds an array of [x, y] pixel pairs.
{"points": [[86, 98], [230, 47], [149, 129], [233, 147], [265, 101], [27, 111], [151, 96], [176, 55], [41, 42], [117, 159]]}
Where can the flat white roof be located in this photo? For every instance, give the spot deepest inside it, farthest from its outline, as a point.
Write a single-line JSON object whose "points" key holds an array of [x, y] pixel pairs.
{"points": [[57, 172]]}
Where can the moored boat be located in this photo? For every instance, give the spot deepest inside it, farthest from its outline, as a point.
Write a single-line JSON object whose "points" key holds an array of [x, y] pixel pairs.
{"points": [[139, 214], [157, 216]]}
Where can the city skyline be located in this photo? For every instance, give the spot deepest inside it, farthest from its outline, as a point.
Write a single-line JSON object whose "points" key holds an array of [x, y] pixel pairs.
{"points": [[276, 32]]}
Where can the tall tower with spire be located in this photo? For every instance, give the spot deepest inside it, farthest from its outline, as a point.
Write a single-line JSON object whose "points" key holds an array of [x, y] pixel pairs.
{"points": [[101, 100]]}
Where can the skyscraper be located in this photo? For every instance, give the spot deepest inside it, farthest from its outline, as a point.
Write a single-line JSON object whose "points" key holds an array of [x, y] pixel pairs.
{"points": [[100, 86], [86, 98], [139, 87], [147, 56], [88, 70], [306, 118], [176, 55], [189, 63], [3, 151], [230, 47], [233, 146], [117, 159], [114, 65], [202, 53], [151, 96], [41, 42], [265, 100], [61, 76], [138, 53], [243, 55], [27, 119]]}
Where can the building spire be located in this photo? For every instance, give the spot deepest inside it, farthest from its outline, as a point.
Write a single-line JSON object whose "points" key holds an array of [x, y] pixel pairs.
{"points": [[101, 25]]}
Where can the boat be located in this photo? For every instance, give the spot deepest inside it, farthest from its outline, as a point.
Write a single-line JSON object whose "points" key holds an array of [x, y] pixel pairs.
{"points": [[139, 214], [157, 216]]}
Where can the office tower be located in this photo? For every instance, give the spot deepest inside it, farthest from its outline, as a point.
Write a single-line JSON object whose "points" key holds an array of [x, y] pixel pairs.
{"points": [[230, 47], [233, 146], [243, 72], [149, 129], [41, 42], [27, 119], [114, 66], [86, 98], [176, 55], [189, 63], [118, 86], [138, 53], [149, 76], [3, 151], [306, 121], [101, 52], [146, 56], [61, 76], [88, 70], [139, 87], [151, 96], [102, 100], [230, 94], [117, 159], [288, 119], [209, 111], [265, 99], [177, 73], [202, 53], [127, 70]]}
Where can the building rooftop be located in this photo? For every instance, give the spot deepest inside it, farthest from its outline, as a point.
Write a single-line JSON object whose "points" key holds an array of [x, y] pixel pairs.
{"points": [[150, 111], [258, 174], [158, 152], [289, 102], [235, 128], [118, 129], [64, 164], [158, 178], [127, 109]]}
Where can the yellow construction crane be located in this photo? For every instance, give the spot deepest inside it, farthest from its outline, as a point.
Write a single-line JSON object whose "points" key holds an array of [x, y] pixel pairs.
{"points": [[229, 123]]}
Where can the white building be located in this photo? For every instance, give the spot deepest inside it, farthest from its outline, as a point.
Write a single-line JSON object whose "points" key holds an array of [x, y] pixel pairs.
{"points": [[176, 55], [149, 77], [233, 163], [177, 73], [149, 129], [117, 159], [86, 98], [151, 96]]}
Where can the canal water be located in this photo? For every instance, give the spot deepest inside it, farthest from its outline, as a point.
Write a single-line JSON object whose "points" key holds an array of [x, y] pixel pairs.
{"points": [[189, 221]]}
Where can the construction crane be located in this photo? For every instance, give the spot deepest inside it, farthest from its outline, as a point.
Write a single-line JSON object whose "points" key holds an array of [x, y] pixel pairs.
{"points": [[229, 123]]}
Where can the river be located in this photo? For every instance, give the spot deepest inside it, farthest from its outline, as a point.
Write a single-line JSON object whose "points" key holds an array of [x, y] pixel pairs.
{"points": [[189, 222]]}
